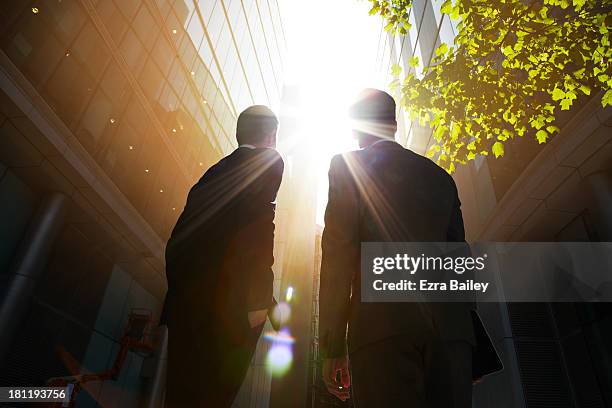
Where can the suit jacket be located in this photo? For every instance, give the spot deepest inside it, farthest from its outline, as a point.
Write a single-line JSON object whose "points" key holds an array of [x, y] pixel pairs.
{"points": [[384, 193], [219, 256]]}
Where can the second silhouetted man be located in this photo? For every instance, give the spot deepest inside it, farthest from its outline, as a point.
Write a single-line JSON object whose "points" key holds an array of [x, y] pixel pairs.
{"points": [[401, 354], [219, 268]]}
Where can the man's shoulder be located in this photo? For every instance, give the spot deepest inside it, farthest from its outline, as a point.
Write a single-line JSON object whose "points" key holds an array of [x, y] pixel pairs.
{"points": [[429, 165], [260, 152], [345, 158]]}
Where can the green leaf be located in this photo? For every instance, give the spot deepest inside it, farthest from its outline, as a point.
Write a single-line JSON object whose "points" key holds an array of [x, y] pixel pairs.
{"points": [[557, 94], [552, 129], [441, 50], [396, 70], [498, 149], [512, 67], [578, 4], [585, 89], [607, 98], [566, 103], [446, 7], [542, 136]]}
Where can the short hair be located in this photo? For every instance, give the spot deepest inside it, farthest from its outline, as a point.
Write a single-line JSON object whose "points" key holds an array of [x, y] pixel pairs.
{"points": [[373, 105], [255, 123]]}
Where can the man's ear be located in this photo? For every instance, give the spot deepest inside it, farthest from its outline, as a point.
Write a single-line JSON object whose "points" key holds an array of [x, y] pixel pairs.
{"points": [[271, 140]]}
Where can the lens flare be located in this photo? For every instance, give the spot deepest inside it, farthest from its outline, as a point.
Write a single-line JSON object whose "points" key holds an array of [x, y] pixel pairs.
{"points": [[279, 359], [280, 355], [289, 294], [281, 337], [281, 313]]}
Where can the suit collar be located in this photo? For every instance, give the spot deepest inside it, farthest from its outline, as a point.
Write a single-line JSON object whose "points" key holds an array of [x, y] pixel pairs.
{"points": [[385, 143]]}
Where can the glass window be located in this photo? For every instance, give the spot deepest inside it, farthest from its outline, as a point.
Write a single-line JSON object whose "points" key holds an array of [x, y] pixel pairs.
{"points": [[214, 72], [446, 31], [436, 4], [151, 81], [271, 34], [223, 45], [91, 51], [35, 51], [150, 155], [177, 77], [209, 91], [205, 53], [128, 8], [133, 51], [199, 74], [158, 204], [195, 31], [406, 52], [413, 32], [68, 90], [184, 10], [280, 35], [190, 101], [418, 7], [123, 150], [136, 116], [64, 18], [214, 24], [234, 10], [113, 19], [187, 53], [177, 135], [428, 34], [168, 104], [395, 42], [163, 6], [162, 54], [145, 27], [243, 35], [175, 28], [206, 8], [95, 124], [419, 67], [116, 87]]}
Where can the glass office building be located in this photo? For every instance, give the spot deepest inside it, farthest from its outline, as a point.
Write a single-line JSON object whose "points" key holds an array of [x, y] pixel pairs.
{"points": [[110, 111]]}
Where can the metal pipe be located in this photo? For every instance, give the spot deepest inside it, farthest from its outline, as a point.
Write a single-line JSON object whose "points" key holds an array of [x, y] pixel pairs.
{"points": [[30, 262]]}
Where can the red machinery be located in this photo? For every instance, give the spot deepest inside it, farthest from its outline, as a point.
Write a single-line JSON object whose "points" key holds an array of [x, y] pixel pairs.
{"points": [[136, 339]]}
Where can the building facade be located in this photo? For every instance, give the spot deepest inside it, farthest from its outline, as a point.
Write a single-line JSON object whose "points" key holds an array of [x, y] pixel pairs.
{"points": [[110, 111], [554, 354]]}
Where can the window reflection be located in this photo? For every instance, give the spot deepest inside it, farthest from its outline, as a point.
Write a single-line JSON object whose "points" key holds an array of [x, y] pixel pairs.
{"points": [[144, 89]]}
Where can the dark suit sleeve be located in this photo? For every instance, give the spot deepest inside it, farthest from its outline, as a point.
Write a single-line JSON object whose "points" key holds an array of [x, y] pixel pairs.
{"points": [[340, 258], [257, 242], [456, 231]]}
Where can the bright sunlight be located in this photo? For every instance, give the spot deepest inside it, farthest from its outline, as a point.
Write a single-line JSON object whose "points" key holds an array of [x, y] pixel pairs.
{"points": [[333, 56]]}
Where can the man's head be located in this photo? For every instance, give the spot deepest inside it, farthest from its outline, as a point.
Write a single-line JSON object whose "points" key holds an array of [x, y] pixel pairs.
{"points": [[257, 126], [373, 117]]}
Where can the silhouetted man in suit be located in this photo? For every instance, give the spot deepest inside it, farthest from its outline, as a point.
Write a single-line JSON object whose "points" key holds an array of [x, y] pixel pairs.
{"points": [[219, 268], [400, 354]]}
